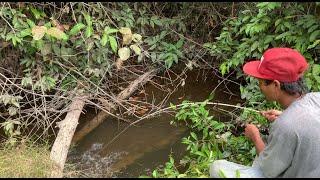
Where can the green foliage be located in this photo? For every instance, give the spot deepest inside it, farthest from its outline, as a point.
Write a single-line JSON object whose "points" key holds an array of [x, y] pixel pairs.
{"points": [[54, 46], [209, 140], [269, 24], [170, 53]]}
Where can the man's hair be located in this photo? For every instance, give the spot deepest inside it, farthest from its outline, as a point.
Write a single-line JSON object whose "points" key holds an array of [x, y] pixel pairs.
{"points": [[292, 88]]}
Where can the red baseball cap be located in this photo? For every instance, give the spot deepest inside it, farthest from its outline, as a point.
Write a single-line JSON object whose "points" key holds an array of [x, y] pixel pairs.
{"points": [[282, 64]]}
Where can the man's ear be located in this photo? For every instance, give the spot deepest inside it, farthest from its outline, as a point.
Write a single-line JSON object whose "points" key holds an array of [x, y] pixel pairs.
{"points": [[276, 83]]}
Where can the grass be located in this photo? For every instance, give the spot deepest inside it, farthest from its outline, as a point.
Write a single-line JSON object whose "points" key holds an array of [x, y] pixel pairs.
{"points": [[25, 160]]}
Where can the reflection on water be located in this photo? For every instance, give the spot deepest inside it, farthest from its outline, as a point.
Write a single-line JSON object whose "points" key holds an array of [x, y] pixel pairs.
{"points": [[142, 148]]}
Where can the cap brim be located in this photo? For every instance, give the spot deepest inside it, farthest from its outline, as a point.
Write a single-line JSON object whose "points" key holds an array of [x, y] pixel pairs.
{"points": [[251, 68]]}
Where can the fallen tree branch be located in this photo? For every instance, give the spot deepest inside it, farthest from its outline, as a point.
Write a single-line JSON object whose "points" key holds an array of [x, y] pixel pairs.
{"points": [[124, 94], [67, 128]]}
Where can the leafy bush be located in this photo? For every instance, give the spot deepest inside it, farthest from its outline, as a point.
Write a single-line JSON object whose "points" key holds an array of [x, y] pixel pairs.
{"points": [[269, 24]]}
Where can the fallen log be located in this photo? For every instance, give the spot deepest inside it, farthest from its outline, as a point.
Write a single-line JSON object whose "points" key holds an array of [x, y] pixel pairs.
{"points": [[67, 128], [101, 116]]}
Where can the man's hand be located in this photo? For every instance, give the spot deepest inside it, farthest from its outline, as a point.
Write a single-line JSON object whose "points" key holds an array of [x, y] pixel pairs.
{"points": [[271, 115], [252, 132]]}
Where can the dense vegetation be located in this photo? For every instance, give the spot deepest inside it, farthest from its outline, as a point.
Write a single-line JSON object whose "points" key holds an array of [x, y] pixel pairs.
{"points": [[51, 52]]}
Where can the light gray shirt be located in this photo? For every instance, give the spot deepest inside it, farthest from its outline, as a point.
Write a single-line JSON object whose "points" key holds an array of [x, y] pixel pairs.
{"points": [[293, 145]]}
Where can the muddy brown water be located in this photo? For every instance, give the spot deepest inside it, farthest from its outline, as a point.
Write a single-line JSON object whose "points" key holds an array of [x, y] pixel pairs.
{"points": [[141, 149]]}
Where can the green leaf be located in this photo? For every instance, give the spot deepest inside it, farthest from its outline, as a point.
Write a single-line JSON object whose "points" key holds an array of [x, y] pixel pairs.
{"points": [[36, 13], [277, 22], [254, 46], [194, 135], [113, 43], [31, 23], [179, 43], [76, 29], [155, 173], [89, 31], [163, 34], [88, 19], [124, 53], [315, 69], [104, 39], [172, 106], [175, 58], [109, 30], [314, 35], [157, 22], [314, 44], [25, 32]]}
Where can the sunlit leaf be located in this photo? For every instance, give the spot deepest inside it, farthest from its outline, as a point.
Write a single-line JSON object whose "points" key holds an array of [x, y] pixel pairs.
{"points": [[31, 23], [36, 13], [136, 49], [25, 32], [76, 28], [124, 53], [38, 32], [127, 35], [113, 43], [109, 30], [125, 31], [89, 31], [104, 39], [137, 38], [88, 19], [57, 33]]}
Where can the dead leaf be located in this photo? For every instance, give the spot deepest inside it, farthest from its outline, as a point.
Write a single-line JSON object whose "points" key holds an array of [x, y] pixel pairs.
{"points": [[125, 31], [55, 32], [66, 27], [119, 64], [38, 32], [126, 35], [126, 39], [142, 111]]}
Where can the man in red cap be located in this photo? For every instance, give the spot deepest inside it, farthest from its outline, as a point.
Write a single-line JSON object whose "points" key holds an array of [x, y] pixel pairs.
{"points": [[293, 145]]}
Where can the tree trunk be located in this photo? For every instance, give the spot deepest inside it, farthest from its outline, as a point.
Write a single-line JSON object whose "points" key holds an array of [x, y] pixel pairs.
{"points": [[126, 93], [67, 128]]}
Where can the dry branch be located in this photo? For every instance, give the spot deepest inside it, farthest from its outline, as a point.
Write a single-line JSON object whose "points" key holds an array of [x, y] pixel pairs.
{"points": [[67, 128], [97, 120]]}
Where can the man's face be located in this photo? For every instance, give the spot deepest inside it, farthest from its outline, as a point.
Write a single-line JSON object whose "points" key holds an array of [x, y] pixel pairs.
{"points": [[267, 90]]}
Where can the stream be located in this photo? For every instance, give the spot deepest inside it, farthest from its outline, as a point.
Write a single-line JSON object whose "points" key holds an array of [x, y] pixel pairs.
{"points": [[143, 148]]}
